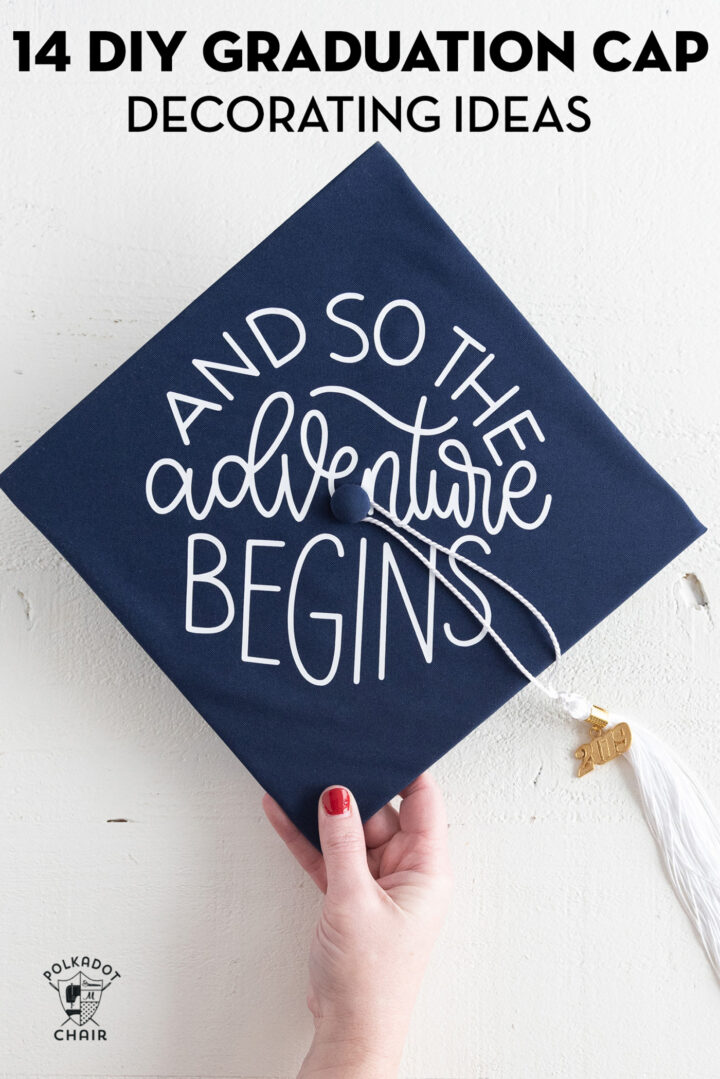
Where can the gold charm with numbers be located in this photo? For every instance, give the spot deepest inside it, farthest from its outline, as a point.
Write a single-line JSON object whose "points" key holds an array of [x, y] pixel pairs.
{"points": [[606, 742]]}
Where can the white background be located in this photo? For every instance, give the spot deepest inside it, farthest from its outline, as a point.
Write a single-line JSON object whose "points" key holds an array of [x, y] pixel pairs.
{"points": [[566, 953]]}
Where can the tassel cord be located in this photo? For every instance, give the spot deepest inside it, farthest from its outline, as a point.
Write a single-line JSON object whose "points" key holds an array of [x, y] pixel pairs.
{"points": [[547, 688]]}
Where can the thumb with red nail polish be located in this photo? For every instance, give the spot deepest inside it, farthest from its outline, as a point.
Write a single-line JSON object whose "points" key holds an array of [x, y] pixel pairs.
{"points": [[343, 844]]}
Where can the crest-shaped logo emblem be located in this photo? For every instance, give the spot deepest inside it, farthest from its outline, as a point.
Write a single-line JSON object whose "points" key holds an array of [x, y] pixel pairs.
{"points": [[80, 993], [80, 997]]}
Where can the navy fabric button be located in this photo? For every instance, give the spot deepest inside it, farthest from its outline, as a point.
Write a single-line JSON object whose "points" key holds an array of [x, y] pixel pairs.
{"points": [[350, 503]]}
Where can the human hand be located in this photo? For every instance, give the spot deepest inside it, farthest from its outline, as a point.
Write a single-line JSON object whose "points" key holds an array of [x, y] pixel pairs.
{"points": [[386, 891]]}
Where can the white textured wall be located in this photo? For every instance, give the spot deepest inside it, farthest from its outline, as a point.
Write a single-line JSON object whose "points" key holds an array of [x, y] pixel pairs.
{"points": [[566, 953]]}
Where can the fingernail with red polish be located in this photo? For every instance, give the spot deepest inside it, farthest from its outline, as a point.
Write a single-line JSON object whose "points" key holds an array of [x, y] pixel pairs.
{"points": [[336, 801]]}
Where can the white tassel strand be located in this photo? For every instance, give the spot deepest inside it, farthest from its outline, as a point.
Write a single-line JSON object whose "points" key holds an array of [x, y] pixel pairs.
{"points": [[686, 827]]}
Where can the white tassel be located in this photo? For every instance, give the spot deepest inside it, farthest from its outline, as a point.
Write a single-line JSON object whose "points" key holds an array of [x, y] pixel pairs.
{"points": [[687, 829], [682, 819]]}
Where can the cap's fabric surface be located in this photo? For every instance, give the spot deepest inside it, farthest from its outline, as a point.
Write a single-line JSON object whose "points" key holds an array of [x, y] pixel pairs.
{"points": [[360, 342]]}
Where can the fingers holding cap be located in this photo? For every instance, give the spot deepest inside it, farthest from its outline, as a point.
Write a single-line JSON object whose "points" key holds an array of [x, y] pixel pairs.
{"points": [[422, 813]]}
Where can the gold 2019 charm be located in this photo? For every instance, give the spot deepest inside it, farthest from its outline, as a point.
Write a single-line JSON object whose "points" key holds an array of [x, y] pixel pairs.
{"points": [[606, 743]]}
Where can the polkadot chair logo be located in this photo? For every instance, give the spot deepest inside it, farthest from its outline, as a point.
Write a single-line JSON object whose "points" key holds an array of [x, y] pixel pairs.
{"points": [[80, 982]]}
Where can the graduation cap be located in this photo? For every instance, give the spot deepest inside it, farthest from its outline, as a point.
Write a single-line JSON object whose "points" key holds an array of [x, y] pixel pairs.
{"points": [[360, 368]]}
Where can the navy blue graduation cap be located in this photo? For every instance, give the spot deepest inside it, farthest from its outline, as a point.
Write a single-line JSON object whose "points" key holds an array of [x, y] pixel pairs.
{"points": [[216, 492]]}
